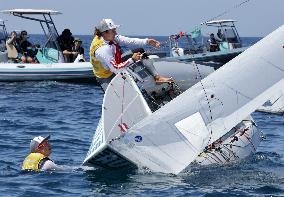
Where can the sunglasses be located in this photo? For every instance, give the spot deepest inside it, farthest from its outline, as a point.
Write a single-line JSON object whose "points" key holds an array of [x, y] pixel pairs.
{"points": [[111, 30]]}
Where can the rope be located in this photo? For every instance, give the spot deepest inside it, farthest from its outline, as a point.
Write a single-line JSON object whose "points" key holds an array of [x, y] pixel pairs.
{"points": [[122, 107], [227, 11], [206, 96], [249, 139]]}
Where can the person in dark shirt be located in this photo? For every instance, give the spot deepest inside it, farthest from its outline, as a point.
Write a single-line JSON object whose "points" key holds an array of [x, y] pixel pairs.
{"points": [[78, 51], [220, 36], [65, 41], [213, 44], [26, 49]]}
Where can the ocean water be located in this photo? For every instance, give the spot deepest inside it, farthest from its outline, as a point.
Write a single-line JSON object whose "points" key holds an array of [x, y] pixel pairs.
{"points": [[70, 113]]}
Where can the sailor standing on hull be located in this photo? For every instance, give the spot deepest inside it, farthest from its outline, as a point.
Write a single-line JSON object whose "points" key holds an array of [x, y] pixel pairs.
{"points": [[105, 54]]}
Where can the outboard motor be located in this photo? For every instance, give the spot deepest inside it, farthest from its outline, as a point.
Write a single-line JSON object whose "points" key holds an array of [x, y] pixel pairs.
{"points": [[176, 52], [79, 58]]}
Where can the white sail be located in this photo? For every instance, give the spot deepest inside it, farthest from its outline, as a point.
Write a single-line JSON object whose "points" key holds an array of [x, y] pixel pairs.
{"points": [[123, 106], [165, 140]]}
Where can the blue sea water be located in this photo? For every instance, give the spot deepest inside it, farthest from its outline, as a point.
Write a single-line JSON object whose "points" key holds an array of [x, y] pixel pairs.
{"points": [[70, 113]]}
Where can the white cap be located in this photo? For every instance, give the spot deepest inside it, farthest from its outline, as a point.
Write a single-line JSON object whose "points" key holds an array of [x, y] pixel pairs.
{"points": [[107, 24], [37, 141]]}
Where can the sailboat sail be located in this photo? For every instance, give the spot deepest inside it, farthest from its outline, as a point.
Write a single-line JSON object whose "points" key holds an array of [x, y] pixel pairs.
{"points": [[165, 141], [123, 106]]}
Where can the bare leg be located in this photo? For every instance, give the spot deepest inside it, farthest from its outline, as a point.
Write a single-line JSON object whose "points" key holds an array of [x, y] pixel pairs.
{"points": [[161, 79], [30, 60], [158, 78], [23, 59], [148, 63]]}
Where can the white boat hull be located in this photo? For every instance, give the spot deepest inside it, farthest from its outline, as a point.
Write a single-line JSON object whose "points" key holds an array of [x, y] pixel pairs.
{"points": [[237, 146], [112, 154], [101, 154], [218, 56], [37, 72]]}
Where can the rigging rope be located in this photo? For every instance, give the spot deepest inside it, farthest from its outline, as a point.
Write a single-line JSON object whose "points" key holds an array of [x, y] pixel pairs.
{"points": [[166, 43], [227, 11]]}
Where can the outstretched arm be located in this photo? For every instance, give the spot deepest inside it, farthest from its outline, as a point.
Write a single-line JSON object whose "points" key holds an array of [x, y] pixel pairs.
{"points": [[50, 165], [153, 43], [137, 41], [130, 41]]}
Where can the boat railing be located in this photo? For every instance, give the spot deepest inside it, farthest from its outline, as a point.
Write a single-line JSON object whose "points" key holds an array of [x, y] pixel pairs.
{"points": [[51, 52], [187, 43], [3, 38]]}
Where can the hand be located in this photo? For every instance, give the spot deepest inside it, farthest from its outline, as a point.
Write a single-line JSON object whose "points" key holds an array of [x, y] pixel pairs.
{"points": [[136, 56], [74, 53], [154, 43]]}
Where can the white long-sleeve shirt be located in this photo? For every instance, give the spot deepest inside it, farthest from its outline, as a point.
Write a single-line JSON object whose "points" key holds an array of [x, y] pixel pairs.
{"points": [[106, 53], [50, 165]]}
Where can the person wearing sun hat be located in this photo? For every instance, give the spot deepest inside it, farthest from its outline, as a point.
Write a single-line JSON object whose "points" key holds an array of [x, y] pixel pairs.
{"points": [[78, 51], [65, 41], [105, 54], [38, 159]]}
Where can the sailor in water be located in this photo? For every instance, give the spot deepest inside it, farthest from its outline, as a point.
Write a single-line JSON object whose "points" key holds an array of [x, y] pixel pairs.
{"points": [[105, 53], [38, 159]]}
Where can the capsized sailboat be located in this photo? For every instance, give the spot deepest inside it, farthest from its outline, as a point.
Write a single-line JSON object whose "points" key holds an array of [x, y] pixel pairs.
{"points": [[165, 130]]}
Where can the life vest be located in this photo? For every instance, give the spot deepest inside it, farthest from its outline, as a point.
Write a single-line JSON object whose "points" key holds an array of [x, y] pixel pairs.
{"points": [[32, 161], [98, 67]]}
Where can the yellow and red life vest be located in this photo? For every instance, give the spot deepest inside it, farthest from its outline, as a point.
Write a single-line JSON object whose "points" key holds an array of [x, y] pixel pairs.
{"points": [[98, 67]]}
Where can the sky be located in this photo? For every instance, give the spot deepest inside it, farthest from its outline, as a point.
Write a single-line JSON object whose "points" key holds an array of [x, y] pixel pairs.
{"points": [[256, 18]]}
